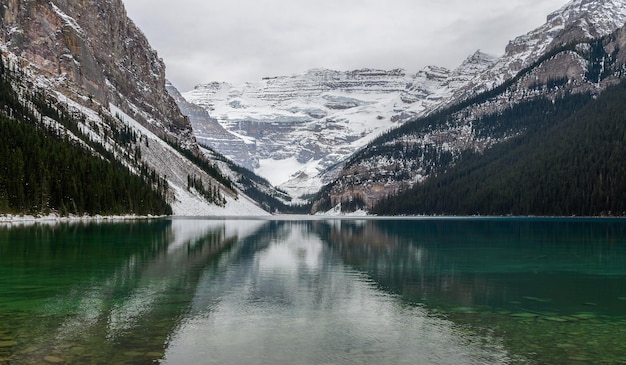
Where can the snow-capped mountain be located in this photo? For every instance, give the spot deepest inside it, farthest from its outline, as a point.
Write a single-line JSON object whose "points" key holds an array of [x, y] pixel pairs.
{"points": [[91, 61], [298, 129]]}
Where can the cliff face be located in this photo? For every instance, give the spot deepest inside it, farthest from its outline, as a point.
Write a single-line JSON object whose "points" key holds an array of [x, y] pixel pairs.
{"points": [[93, 50], [88, 58], [576, 22]]}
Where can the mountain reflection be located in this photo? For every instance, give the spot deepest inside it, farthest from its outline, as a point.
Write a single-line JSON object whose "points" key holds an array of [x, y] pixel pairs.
{"points": [[473, 263], [107, 291], [287, 297]]}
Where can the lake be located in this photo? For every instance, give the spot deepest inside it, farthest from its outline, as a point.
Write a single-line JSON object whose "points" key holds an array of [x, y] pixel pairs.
{"points": [[314, 291]]}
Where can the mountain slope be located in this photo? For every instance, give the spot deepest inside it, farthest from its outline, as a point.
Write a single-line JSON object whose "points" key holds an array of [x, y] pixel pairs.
{"points": [[570, 163], [429, 146], [89, 60]]}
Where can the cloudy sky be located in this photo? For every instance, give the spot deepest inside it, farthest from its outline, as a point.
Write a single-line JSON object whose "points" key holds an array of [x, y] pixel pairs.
{"points": [[245, 40]]}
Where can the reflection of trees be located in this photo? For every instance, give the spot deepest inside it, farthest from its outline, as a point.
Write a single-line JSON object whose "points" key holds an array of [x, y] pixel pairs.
{"points": [[130, 284], [406, 264], [476, 262]]}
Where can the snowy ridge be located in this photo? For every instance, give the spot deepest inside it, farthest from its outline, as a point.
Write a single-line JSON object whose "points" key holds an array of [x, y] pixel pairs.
{"points": [[602, 17], [576, 21]]}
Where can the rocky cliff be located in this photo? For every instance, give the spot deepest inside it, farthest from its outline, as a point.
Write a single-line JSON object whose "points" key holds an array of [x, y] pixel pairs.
{"points": [[89, 59], [91, 49]]}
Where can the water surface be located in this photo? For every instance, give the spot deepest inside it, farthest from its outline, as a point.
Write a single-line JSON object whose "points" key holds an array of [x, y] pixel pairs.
{"points": [[314, 291]]}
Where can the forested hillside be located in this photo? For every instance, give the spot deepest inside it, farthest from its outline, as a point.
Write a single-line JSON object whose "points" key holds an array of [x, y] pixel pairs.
{"points": [[47, 165], [569, 162]]}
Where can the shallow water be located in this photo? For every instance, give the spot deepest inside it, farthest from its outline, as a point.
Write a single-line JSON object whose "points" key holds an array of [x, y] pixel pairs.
{"points": [[314, 291]]}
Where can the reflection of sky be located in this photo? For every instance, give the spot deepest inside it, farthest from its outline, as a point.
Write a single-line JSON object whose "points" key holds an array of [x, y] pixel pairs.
{"points": [[188, 230], [149, 280], [296, 251], [295, 302]]}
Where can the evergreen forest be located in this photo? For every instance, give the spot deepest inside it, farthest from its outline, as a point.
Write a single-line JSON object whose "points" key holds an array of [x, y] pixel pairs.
{"points": [[44, 170], [569, 162]]}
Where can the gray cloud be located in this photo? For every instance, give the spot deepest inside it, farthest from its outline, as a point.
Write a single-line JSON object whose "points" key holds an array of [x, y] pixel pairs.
{"points": [[244, 40]]}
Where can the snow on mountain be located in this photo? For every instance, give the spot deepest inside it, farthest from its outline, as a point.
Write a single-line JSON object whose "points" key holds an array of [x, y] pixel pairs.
{"points": [[210, 133], [167, 160], [303, 123], [435, 86], [298, 129], [577, 20]]}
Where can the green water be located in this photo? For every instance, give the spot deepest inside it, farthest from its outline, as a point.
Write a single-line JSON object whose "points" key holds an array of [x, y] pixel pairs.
{"points": [[314, 291]]}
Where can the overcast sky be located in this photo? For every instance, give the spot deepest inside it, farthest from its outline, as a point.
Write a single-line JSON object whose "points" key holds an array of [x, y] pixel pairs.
{"points": [[245, 40]]}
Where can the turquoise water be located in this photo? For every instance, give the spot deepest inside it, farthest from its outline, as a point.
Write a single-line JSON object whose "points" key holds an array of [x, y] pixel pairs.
{"points": [[314, 291]]}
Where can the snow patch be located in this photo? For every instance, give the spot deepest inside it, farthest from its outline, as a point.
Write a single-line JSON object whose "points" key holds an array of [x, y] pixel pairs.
{"points": [[67, 19], [278, 171]]}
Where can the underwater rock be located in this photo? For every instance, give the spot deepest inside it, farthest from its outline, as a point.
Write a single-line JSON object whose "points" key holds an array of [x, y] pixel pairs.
{"points": [[525, 315], [8, 343], [584, 316], [468, 310], [54, 359], [539, 300], [565, 346], [557, 319]]}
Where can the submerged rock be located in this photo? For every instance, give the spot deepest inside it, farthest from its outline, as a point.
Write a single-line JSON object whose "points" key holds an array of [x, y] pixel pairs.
{"points": [[525, 315], [584, 316], [7, 343], [557, 319], [539, 300], [54, 359]]}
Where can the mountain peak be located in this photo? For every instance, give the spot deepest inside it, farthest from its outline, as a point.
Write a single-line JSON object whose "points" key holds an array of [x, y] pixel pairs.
{"points": [[575, 21], [480, 57], [595, 18], [602, 16], [477, 62]]}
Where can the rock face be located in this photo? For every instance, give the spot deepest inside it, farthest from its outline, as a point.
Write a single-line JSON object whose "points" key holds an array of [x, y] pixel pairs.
{"points": [[575, 22], [89, 58], [92, 49], [208, 132]]}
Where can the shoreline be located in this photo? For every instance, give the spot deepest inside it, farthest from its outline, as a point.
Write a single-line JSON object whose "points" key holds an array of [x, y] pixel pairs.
{"points": [[11, 219], [54, 218]]}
